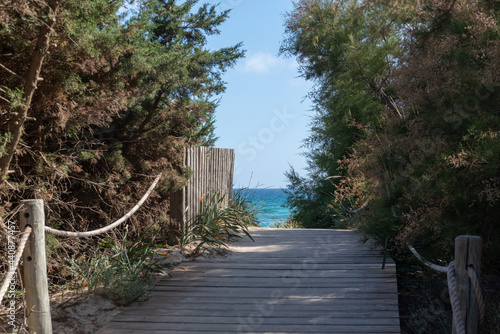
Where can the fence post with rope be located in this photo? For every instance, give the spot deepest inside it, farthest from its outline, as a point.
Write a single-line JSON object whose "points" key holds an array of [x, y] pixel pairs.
{"points": [[32, 223], [35, 267], [463, 283]]}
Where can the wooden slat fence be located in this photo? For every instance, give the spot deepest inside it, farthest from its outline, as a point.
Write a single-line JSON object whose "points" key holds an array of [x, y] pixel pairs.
{"points": [[213, 170]]}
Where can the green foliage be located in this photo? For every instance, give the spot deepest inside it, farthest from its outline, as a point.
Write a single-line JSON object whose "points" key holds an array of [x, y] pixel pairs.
{"points": [[51, 244], [123, 274], [214, 226], [5, 139], [340, 47], [406, 120]]}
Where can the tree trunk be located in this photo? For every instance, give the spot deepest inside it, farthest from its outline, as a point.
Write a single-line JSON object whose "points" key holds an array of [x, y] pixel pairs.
{"points": [[30, 85]]}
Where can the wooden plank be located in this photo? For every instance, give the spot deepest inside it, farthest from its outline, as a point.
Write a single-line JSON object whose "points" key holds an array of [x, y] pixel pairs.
{"points": [[142, 327], [352, 304], [284, 273], [298, 290], [389, 286], [288, 320], [338, 331], [278, 313], [302, 265], [279, 284], [254, 304], [134, 331]]}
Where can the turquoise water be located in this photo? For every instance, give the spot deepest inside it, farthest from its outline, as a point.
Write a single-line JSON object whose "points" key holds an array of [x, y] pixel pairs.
{"points": [[270, 203]]}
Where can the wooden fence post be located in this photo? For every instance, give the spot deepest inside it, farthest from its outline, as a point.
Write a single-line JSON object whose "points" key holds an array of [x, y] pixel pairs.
{"points": [[468, 254], [35, 268]]}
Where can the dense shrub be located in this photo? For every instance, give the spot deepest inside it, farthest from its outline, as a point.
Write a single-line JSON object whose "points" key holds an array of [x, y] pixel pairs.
{"points": [[407, 123]]}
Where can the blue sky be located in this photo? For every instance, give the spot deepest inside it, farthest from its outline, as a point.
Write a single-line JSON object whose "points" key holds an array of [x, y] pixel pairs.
{"points": [[263, 115]]}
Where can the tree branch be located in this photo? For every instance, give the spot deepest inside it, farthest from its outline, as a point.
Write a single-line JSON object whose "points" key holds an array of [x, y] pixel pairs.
{"points": [[12, 72], [389, 101], [4, 99]]}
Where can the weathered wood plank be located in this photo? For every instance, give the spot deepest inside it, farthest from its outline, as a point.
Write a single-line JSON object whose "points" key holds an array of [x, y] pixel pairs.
{"points": [[288, 320], [296, 307], [303, 302], [340, 260], [142, 327], [288, 281], [287, 273], [261, 282], [291, 312], [301, 265], [338, 331]]}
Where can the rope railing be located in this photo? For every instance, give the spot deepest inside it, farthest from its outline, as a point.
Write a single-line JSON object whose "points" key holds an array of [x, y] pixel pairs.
{"points": [[360, 208], [477, 290], [109, 227], [32, 223], [13, 264], [431, 265], [458, 318]]}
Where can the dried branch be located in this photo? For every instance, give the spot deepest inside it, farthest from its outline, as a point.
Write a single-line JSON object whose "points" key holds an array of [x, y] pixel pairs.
{"points": [[12, 72], [4, 99], [389, 101]]}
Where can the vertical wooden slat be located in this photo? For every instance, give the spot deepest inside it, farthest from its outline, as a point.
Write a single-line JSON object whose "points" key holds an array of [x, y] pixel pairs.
{"points": [[212, 173], [195, 185], [187, 161], [229, 181], [216, 171]]}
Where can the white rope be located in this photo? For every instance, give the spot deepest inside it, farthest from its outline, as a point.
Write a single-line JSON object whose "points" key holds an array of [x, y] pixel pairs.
{"points": [[455, 303], [427, 263], [477, 290], [13, 265], [109, 227], [361, 207]]}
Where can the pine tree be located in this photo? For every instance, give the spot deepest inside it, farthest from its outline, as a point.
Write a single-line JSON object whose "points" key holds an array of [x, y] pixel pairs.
{"points": [[126, 86]]}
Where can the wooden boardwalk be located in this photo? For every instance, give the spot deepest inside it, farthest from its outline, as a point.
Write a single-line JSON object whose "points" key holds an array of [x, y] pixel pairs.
{"points": [[288, 281]]}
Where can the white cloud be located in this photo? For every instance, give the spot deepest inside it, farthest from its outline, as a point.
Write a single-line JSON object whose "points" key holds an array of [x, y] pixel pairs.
{"points": [[262, 62]]}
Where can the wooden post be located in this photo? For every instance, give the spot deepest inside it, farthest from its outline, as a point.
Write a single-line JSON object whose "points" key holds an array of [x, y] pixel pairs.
{"points": [[468, 254], [35, 268]]}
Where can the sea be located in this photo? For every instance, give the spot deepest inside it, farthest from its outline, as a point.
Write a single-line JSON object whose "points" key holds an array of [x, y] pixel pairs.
{"points": [[270, 204]]}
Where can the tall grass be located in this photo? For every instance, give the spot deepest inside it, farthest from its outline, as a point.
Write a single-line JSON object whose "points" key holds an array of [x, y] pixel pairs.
{"points": [[215, 225], [244, 201], [122, 272]]}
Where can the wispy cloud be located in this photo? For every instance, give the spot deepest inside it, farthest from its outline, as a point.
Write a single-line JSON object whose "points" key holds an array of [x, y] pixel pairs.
{"points": [[263, 62]]}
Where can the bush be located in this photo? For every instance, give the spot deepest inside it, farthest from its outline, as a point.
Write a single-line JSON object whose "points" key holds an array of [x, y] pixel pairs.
{"points": [[215, 226]]}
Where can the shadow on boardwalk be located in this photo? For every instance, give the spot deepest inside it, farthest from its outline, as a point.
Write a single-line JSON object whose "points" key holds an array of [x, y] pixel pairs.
{"points": [[288, 281]]}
